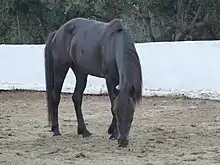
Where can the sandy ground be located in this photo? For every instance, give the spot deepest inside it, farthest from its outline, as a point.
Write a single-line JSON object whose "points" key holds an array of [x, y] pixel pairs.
{"points": [[165, 131]]}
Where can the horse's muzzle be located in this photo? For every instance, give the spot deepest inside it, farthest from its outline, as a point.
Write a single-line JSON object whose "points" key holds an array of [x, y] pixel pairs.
{"points": [[123, 132]]}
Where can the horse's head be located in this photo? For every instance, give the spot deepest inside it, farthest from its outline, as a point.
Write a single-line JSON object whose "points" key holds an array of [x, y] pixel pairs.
{"points": [[124, 111]]}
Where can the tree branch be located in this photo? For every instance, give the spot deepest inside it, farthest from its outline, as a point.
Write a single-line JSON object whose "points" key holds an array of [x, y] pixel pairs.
{"points": [[178, 15], [196, 16], [146, 21], [187, 9]]}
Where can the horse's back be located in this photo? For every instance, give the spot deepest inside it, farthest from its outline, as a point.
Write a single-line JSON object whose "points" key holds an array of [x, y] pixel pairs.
{"points": [[94, 48], [81, 39], [87, 32], [85, 44]]}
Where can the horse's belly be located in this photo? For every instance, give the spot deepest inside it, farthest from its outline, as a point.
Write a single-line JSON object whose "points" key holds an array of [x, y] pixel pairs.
{"points": [[90, 66], [94, 71]]}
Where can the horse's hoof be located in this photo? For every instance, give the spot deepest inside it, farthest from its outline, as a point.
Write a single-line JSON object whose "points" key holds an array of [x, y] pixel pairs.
{"points": [[56, 134], [114, 135], [86, 133], [80, 131], [123, 143]]}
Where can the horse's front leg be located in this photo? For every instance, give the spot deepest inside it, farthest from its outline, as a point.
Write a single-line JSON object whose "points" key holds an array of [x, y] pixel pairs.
{"points": [[113, 92], [81, 80]]}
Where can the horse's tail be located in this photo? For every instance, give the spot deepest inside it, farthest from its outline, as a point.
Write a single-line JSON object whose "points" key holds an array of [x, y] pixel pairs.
{"points": [[49, 75], [129, 67]]}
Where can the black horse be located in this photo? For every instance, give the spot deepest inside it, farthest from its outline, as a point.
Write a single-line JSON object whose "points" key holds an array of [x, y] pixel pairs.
{"points": [[105, 50]]}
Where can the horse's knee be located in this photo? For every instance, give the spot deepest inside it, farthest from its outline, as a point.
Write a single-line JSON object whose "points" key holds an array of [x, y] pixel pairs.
{"points": [[56, 99], [75, 98]]}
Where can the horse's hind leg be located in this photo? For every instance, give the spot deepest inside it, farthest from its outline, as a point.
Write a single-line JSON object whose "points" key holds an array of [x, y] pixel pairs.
{"points": [[59, 76], [81, 80]]}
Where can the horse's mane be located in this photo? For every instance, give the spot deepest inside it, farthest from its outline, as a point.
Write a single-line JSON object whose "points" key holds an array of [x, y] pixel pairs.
{"points": [[51, 36], [134, 73], [133, 68]]}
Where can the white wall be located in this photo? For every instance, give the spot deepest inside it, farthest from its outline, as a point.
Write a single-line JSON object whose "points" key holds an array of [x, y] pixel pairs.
{"points": [[190, 68]]}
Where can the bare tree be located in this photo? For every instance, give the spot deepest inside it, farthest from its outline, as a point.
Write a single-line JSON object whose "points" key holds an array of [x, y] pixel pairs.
{"points": [[143, 18], [185, 22]]}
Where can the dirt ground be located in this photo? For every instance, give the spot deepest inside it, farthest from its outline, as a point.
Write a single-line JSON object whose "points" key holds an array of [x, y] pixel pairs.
{"points": [[165, 131]]}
